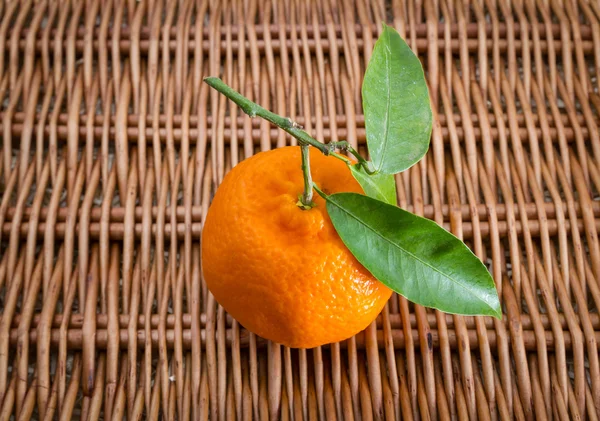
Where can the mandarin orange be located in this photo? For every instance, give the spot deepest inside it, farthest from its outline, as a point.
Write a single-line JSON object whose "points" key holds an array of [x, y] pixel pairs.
{"points": [[283, 272]]}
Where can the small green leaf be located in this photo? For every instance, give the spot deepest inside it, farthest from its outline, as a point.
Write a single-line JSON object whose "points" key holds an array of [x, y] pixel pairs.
{"points": [[396, 104], [414, 256], [378, 186]]}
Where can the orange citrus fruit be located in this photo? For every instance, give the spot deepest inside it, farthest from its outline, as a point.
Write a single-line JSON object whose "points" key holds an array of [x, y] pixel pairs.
{"points": [[280, 271]]}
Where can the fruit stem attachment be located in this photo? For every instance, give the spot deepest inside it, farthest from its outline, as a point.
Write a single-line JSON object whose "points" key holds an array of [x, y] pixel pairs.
{"points": [[253, 110], [305, 200]]}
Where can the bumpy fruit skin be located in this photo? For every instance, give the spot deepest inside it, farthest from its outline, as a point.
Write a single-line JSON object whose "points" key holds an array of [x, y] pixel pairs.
{"points": [[283, 272]]}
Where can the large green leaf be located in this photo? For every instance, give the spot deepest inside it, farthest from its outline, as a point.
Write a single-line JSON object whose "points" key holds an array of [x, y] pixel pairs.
{"points": [[379, 186], [396, 104], [414, 256]]}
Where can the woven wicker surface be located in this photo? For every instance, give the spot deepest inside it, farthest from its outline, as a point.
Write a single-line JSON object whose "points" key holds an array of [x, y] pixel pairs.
{"points": [[102, 100]]}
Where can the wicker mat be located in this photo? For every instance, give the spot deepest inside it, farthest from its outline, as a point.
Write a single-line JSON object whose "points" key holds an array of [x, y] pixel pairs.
{"points": [[112, 148]]}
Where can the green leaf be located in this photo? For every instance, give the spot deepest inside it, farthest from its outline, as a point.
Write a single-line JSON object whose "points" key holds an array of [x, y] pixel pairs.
{"points": [[396, 104], [378, 186], [414, 256]]}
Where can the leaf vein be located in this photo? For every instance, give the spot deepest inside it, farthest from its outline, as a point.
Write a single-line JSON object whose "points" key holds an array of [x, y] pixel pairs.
{"points": [[388, 54]]}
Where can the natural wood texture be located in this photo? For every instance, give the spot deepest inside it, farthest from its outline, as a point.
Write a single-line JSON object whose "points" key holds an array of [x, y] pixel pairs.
{"points": [[101, 100]]}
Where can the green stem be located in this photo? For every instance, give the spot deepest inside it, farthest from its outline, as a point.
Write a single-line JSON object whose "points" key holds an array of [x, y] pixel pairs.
{"points": [[345, 146], [362, 161], [341, 158], [306, 198], [321, 192], [253, 110], [342, 144], [295, 130]]}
